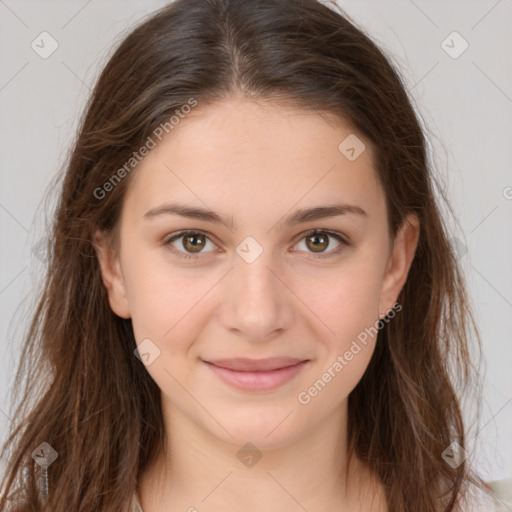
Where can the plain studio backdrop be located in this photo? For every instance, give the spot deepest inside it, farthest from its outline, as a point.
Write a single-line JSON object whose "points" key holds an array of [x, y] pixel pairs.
{"points": [[456, 59]]}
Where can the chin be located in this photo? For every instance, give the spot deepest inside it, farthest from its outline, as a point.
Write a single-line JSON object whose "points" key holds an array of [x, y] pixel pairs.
{"points": [[267, 429]]}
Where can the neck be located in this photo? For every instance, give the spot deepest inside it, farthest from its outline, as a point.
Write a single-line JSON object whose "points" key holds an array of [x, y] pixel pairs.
{"points": [[199, 471]]}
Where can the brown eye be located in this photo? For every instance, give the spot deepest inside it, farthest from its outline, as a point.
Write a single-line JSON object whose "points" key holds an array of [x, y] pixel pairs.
{"points": [[317, 242], [191, 245], [321, 242], [194, 242]]}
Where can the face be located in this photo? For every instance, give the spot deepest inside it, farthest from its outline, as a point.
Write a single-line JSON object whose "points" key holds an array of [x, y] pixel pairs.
{"points": [[247, 317]]}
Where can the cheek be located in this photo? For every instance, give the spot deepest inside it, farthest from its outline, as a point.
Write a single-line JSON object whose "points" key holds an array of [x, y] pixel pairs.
{"points": [[350, 310], [171, 305], [346, 299], [326, 391], [167, 304]]}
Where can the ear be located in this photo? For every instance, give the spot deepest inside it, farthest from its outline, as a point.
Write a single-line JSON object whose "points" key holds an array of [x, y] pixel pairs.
{"points": [[400, 260], [111, 275]]}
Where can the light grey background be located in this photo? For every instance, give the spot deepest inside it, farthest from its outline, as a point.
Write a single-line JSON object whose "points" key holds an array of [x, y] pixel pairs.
{"points": [[466, 104]]}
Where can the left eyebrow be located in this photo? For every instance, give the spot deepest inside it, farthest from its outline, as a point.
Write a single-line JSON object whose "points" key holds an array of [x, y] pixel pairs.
{"points": [[300, 216], [322, 212]]}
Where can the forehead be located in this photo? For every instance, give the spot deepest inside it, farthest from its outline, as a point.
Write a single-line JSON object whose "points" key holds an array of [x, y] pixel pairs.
{"points": [[246, 157]]}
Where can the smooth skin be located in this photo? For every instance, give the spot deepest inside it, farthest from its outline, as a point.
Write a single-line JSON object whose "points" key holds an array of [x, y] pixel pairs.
{"points": [[255, 165]]}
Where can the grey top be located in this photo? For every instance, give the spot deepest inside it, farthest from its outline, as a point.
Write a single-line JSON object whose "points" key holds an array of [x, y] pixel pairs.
{"points": [[502, 499], [136, 506]]}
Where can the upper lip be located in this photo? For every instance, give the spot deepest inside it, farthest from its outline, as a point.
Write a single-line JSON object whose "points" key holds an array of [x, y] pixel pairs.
{"points": [[244, 364]]}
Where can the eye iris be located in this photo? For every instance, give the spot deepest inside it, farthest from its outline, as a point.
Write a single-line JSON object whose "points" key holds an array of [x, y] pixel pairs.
{"points": [[315, 237], [195, 246]]}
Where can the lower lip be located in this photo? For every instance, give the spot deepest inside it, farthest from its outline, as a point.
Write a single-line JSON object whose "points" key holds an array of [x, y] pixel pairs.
{"points": [[257, 381]]}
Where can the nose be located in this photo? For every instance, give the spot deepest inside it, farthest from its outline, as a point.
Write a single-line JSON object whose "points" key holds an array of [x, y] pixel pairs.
{"points": [[258, 305]]}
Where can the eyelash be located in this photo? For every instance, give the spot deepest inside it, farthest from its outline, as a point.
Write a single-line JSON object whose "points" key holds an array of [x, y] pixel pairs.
{"points": [[343, 242]]}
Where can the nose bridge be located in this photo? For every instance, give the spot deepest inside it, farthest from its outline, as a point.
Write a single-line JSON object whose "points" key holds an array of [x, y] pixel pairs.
{"points": [[257, 279], [253, 263], [257, 303]]}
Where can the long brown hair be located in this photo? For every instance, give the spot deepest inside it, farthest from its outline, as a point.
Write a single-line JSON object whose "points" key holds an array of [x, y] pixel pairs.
{"points": [[96, 404]]}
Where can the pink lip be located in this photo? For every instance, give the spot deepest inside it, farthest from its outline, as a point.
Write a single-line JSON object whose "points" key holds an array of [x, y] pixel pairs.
{"points": [[257, 375]]}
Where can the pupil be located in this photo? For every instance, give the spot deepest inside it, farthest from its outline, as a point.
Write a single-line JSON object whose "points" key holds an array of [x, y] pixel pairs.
{"points": [[190, 239], [316, 239]]}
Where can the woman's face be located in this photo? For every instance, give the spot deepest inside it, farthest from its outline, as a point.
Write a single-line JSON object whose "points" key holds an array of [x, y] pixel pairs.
{"points": [[249, 290]]}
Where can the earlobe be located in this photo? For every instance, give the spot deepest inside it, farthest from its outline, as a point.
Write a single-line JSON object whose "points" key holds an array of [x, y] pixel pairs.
{"points": [[111, 275], [402, 256]]}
